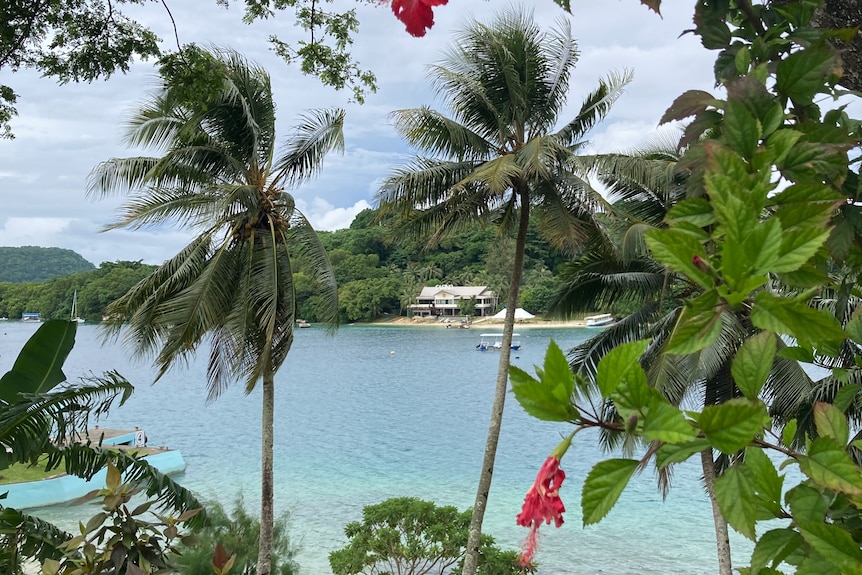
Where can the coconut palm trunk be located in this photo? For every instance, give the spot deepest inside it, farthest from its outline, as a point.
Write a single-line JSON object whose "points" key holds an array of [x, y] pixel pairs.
{"points": [[267, 426], [474, 538], [722, 540]]}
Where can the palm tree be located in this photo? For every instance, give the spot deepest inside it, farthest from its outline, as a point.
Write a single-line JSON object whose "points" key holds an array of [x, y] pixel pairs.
{"points": [[619, 269], [232, 284], [499, 158]]}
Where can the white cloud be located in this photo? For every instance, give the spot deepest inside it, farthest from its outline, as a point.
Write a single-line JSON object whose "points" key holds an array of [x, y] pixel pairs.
{"points": [[326, 217], [31, 231], [64, 131]]}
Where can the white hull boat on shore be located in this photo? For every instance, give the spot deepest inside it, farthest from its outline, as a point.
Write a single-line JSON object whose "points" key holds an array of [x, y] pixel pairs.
{"points": [[600, 320]]}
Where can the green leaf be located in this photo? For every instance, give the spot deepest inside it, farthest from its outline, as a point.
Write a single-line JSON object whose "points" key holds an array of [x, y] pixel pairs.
{"points": [[835, 545], [829, 465], [805, 277], [789, 432], [767, 483], [807, 505], [798, 246], [546, 399], [787, 316], [668, 454], [831, 422], [801, 75], [766, 240], [676, 249], [698, 326], [781, 141], [752, 364], [734, 492], [694, 211], [603, 486], [619, 365], [732, 425], [796, 353], [664, 422], [846, 396], [39, 366], [773, 547], [854, 329], [741, 129]]}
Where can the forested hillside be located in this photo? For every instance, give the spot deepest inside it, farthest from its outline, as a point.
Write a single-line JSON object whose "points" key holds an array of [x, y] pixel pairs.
{"points": [[379, 271], [53, 298], [34, 264]]}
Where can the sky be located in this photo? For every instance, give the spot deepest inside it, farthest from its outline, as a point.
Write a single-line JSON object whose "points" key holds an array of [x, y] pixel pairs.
{"points": [[64, 131]]}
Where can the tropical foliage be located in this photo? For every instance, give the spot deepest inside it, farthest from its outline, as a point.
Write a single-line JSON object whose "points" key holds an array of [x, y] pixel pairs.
{"points": [[34, 411], [413, 537], [377, 271], [53, 298], [760, 248], [237, 534], [213, 122]]}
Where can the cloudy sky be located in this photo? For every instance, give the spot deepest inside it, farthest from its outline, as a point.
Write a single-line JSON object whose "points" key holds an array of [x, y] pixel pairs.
{"points": [[62, 132]]}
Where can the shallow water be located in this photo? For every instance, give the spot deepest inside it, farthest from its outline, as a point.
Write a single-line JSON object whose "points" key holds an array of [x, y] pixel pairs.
{"points": [[378, 412]]}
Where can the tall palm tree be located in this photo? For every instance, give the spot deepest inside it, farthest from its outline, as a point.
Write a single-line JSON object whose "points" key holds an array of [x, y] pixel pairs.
{"points": [[218, 174], [501, 156], [644, 187]]}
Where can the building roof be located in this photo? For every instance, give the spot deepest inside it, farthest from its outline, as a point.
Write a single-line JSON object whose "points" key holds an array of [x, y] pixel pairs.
{"points": [[457, 291]]}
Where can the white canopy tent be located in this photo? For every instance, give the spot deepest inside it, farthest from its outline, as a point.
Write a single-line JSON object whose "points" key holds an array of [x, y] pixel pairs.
{"points": [[520, 313]]}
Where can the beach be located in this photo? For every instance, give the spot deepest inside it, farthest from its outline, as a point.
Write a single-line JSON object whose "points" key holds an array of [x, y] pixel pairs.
{"points": [[476, 323]]}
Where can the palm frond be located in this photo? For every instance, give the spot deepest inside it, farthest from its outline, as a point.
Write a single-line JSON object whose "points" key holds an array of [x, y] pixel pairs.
{"points": [[319, 133], [31, 424], [29, 538], [438, 135], [307, 247], [595, 106], [86, 460]]}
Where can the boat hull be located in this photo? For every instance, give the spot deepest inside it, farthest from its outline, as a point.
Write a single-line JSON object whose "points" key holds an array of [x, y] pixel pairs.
{"points": [[67, 488]]}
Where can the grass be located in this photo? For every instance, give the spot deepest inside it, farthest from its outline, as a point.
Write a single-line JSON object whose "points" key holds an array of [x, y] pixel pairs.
{"points": [[22, 472]]}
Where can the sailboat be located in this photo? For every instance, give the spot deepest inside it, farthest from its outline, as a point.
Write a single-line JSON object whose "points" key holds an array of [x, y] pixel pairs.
{"points": [[75, 317]]}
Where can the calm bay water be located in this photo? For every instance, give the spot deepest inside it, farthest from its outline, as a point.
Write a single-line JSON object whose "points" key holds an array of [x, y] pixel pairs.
{"points": [[378, 412]]}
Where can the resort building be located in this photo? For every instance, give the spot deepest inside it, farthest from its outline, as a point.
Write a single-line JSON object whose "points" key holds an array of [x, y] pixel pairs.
{"points": [[443, 300]]}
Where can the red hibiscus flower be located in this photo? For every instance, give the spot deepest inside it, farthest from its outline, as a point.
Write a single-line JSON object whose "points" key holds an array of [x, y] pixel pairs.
{"points": [[542, 504], [416, 14]]}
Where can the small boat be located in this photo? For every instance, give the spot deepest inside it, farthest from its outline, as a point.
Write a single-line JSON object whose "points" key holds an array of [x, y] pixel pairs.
{"points": [[75, 317], [302, 323], [601, 320], [495, 341]]}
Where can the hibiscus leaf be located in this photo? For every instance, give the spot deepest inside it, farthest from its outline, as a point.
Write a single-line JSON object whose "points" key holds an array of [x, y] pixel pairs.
{"points": [[603, 487]]}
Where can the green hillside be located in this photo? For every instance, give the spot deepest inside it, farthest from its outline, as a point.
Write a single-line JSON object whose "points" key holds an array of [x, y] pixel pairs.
{"points": [[34, 264]]}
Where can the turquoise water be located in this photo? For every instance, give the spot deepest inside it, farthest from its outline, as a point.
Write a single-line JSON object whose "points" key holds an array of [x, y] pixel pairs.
{"points": [[377, 412]]}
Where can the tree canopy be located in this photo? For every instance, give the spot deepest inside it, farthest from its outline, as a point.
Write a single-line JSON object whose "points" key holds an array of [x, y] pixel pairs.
{"points": [[34, 264]]}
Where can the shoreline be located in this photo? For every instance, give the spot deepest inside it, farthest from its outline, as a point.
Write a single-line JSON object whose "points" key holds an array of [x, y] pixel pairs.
{"points": [[489, 324]]}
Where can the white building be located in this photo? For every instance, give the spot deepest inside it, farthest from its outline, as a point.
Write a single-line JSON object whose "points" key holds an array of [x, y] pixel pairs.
{"points": [[443, 300]]}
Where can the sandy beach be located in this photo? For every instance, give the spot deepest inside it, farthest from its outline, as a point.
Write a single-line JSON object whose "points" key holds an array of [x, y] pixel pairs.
{"points": [[479, 323]]}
